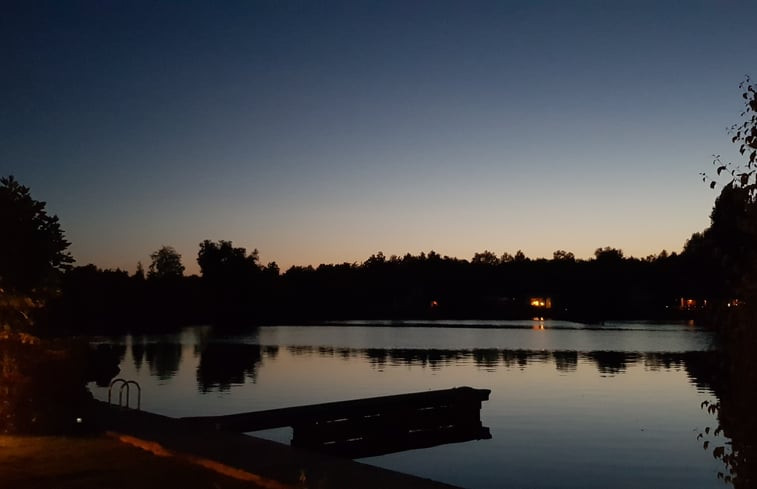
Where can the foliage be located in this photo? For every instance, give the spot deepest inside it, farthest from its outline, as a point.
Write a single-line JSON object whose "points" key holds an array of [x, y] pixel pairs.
{"points": [[608, 254], [726, 252], [233, 280], [223, 262], [731, 239], [139, 274], [742, 175], [166, 264], [43, 384], [94, 300], [731, 244], [562, 255], [485, 258], [33, 247], [17, 312]]}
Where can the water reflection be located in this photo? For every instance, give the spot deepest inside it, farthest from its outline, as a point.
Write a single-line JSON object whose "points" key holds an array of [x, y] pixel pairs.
{"points": [[163, 357], [566, 361], [138, 351], [608, 401], [225, 364], [613, 362]]}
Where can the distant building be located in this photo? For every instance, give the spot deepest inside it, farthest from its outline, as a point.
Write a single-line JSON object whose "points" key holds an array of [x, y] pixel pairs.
{"points": [[541, 302], [691, 304]]}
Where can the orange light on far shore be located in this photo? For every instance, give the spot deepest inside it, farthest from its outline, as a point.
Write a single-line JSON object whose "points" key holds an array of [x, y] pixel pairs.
{"points": [[541, 302]]}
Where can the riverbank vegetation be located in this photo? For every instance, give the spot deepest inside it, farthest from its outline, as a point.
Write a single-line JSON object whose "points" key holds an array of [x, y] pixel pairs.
{"points": [[42, 379]]}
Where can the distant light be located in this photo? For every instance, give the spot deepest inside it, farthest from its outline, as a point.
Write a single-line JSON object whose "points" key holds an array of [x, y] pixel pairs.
{"points": [[79, 421]]}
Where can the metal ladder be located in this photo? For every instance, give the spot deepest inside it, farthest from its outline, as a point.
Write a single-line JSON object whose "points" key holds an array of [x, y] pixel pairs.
{"points": [[125, 384]]}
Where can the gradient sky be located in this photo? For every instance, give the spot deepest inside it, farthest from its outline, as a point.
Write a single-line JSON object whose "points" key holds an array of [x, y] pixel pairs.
{"points": [[327, 131]]}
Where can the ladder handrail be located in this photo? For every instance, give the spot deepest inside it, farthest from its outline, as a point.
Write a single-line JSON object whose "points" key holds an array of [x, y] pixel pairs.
{"points": [[125, 384], [110, 388], [139, 393]]}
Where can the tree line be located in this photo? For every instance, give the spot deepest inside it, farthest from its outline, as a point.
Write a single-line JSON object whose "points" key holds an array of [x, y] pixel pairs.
{"points": [[235, 288]]}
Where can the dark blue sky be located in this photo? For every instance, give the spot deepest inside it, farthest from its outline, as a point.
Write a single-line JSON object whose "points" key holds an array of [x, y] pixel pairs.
{"points": [[326, 131]]}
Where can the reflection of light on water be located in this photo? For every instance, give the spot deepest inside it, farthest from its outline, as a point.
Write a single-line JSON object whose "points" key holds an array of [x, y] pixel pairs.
{"points": [[539, 326]]}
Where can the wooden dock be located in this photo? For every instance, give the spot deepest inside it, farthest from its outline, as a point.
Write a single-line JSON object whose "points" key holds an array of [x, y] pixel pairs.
{"points": [[367, 426], [373, 426]]}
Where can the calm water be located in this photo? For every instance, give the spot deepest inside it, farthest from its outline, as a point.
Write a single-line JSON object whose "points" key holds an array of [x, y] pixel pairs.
{"points": [[572, 405]]}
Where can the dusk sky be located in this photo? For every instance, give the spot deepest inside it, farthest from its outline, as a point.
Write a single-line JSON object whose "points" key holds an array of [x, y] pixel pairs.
{"points": [[323, 132]]}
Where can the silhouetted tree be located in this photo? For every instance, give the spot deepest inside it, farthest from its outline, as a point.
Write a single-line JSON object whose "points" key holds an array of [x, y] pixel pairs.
{"points": [[235, 283], [729, 244], [221, 261], [272, 269], [166, 263], [139, 274], [486, 257], [32, 247], [562, 255], [607, 254]]}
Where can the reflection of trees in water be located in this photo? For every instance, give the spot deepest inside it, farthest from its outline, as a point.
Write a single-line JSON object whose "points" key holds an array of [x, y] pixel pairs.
{"points": [[701, 367], [664, 361], [566, 361], [613, 362], [271, 351], [116, 348], [201, 338], [138, 351], [225, 364], [696, 364], [732, 375], [433, 358], [522, 358], [736, 417], [487, 359], [380, 357], [163, 357]]}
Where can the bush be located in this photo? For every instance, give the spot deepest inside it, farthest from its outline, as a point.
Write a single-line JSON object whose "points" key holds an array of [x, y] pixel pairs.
{"points": [[42, 384]]}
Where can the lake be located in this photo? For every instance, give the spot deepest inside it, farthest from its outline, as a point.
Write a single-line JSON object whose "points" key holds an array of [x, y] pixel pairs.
{"points": [[572, 405]]}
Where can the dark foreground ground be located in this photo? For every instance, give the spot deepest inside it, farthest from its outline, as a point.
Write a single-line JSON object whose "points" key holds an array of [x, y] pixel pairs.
{"points": [[99, 462]]}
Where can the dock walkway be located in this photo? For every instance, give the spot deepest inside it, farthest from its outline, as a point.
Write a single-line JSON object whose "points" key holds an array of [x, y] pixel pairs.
{"points": [[372, 426], [267, 463]]}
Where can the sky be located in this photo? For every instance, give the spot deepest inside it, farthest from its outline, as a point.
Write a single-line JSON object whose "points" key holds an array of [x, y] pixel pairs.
{"points": [[324, 132]]}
